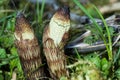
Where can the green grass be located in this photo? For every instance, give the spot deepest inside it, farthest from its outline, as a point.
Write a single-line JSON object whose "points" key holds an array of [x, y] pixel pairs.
{"points": [[40, 11], [100, 31], [78, 56], [109, 44], [116, 57]]}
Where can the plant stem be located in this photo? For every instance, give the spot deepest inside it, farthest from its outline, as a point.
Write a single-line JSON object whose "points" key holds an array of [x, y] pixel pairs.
{"points": [[109, 46]]}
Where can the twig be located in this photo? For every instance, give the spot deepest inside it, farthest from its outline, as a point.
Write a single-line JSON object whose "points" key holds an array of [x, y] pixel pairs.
{"points": [[77, 63], [92, 48], [2, 11], [110, 8], [117, 39], [14, 76]]}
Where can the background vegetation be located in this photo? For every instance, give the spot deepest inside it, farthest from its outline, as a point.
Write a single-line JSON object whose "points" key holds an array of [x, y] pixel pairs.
{"points": [[97, 65]]}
